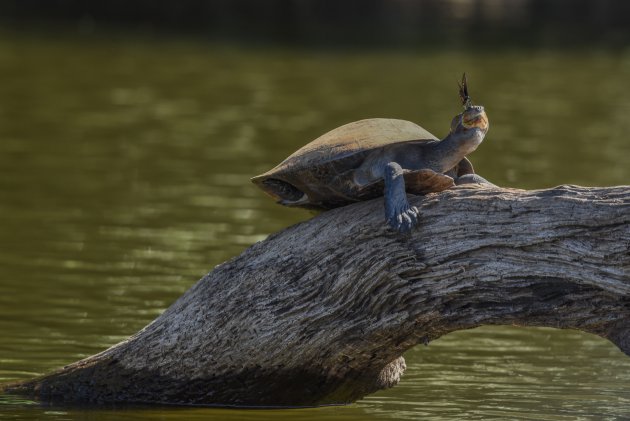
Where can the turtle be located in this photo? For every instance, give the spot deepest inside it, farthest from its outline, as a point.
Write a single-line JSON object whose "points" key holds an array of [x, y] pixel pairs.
{"points": [[376, 157]]}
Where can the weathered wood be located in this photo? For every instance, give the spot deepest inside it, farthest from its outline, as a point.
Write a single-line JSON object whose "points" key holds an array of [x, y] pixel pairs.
{"points": [[321, 312]]}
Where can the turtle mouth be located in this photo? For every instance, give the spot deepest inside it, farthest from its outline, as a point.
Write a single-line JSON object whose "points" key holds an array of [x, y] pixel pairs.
{"points": [[477, 120]]}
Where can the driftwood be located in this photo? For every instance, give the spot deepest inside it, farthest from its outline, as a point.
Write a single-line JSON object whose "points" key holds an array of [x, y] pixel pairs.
{"points": [[321, 312]]}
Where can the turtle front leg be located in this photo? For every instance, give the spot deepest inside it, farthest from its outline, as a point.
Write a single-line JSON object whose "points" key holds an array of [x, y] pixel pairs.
{"points": [[398, 213]]}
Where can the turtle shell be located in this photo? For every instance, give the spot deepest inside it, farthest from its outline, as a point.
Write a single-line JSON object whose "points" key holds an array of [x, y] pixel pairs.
{"points": [[322, 169], [356, 137]]}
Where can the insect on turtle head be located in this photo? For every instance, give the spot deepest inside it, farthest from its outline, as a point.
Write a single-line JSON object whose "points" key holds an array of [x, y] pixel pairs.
{"points": [[463, 93], [473, 116]]}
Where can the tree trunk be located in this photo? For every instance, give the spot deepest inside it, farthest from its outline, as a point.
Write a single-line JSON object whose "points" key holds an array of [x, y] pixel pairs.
{"points": [[321, 312]]}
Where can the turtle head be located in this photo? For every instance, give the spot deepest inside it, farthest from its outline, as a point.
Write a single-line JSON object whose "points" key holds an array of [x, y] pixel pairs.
{"points": [[467, 131], [473, 117]]}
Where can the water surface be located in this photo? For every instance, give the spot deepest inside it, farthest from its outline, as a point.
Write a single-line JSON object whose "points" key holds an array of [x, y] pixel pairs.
{"points": [[124, 177]]}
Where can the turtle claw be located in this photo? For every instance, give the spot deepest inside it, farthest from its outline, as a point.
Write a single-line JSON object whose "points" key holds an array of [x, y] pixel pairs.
{"points": [[403, 219]]}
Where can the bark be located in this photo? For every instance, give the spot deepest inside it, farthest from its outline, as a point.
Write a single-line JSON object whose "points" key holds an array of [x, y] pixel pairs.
{"points": [[321, 312]]}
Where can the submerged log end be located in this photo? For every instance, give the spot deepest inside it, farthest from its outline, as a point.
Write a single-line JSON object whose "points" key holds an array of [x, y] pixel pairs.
{"points": [[103, 382]]}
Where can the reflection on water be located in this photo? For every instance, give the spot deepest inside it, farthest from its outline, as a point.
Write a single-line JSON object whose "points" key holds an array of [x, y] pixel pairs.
{"points": [[124, 177], [503, 373]]}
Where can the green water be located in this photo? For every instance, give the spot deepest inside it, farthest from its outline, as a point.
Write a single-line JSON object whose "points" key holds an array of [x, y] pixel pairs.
{"points": [[124, 177]]}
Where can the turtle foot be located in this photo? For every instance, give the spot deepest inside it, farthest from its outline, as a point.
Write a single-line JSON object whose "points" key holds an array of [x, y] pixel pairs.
{"points": [[398, 213], [472, 179], [402, 218]]}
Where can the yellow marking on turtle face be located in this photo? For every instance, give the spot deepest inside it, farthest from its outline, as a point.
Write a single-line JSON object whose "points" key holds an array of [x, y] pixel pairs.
{"points": [[477, 119]]}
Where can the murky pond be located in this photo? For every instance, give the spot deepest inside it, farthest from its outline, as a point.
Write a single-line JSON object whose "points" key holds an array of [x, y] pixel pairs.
{"points": [[124, 177]]}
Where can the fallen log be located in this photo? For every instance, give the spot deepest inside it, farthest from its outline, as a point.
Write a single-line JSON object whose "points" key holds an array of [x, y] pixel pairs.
{"points": [[321, 312]]}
